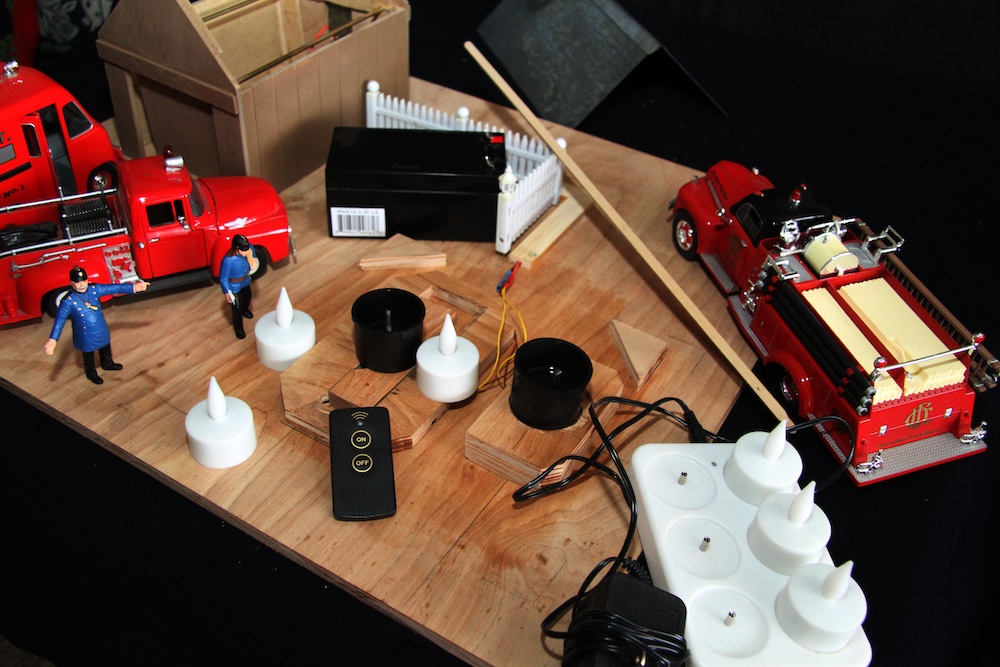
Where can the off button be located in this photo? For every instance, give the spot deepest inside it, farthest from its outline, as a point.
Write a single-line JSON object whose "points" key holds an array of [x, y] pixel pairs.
{"points": [[360, 439], [362, 463]]}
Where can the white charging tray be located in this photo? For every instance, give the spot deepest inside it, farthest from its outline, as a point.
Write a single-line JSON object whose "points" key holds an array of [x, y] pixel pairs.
{"points": [[730, 594]]}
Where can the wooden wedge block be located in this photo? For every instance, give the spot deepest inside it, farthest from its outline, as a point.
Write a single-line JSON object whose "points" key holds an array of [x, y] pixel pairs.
{"points": [[402, 252], [641, 351]]}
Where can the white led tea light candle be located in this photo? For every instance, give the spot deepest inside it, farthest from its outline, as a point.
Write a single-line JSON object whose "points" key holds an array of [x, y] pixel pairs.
{"points": [[284, 335], [220, 430], [821, 607], [447, 366], [762, 464], [789, 530]]}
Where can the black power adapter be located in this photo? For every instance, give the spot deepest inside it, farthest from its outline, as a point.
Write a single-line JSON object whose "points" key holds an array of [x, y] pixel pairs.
{"points": [[625, 621]]}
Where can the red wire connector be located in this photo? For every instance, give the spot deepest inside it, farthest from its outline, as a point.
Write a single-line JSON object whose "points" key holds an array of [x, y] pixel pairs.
{"points": [[508, 278]]}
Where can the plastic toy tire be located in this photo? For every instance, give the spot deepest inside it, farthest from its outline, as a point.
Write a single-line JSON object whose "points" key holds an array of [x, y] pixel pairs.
{"points": [[264, 259], [103, 177], [685, 236], [51, 300], [784, 387]]}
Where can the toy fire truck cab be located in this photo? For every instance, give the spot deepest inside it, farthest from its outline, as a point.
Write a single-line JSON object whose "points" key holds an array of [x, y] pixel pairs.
{"points": [[179, 223], [49, 145], [159, 224], [732, 213]]}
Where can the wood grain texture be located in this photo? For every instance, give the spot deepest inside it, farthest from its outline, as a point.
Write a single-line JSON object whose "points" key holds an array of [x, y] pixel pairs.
{"points": [[498, 441], [547, 229], [460, 562]]}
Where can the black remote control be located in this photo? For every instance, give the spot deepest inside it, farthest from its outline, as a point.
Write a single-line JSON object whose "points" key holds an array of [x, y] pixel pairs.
{"points": [[364, 486]]}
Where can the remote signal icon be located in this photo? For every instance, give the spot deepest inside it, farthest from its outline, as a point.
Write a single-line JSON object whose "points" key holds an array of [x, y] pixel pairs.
{"points": [[360, 416]]}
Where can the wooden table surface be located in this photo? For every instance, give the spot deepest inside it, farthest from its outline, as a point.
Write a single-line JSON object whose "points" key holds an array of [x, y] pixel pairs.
{"points": [[460, 561]]}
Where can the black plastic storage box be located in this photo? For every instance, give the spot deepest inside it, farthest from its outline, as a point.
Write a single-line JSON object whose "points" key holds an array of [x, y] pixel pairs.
{"points": [[425, 184]]}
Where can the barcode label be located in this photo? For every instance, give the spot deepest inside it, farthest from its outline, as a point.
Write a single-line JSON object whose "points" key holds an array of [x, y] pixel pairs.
{"points": [[357, 221]]}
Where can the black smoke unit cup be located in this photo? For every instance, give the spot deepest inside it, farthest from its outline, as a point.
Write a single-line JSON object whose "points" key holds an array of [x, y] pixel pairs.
{"points": [[550, 383], [388, 329]]}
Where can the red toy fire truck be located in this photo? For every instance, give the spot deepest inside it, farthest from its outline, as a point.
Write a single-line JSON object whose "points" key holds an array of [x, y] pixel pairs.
{"points": [[841, 324], [127, 220], [49, 145]]}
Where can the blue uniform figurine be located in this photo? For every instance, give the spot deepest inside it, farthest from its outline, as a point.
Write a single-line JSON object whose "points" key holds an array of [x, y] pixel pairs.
{"points": [[238, 264], [82, 306]]}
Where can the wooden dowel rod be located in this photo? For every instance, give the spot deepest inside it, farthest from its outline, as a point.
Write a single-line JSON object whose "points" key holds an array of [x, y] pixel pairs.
{"points": [[637, 244]]}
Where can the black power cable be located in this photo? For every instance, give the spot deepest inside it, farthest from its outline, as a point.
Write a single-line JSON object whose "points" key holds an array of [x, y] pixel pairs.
{"points": [[600, 630]]}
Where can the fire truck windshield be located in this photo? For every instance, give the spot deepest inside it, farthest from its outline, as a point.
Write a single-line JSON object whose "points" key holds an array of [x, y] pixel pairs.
{"points": [[197, 199]]}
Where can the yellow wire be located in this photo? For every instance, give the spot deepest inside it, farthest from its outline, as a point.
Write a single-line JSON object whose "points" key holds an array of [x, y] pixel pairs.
{"points": [[496, 362], [498, 366]]}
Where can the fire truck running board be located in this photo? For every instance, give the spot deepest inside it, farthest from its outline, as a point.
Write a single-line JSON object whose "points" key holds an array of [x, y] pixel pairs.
{"points": [[180, 279], [714, 266], [906, 458]]}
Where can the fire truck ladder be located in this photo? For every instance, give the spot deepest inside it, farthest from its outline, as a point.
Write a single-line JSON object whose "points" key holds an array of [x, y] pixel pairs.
{"points": [[86, 217]]}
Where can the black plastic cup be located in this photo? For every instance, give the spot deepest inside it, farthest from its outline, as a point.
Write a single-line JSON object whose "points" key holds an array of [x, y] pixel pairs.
{"points": [[550, 383], [388, 329]]}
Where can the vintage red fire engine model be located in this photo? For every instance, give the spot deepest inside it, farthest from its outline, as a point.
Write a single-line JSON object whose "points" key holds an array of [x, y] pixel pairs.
{"points": [[145, 218], [841, 324], [49, 145]]}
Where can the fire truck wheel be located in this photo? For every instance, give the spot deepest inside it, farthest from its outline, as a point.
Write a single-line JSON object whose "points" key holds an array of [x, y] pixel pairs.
{"points": [[51, 301], [784, 386], [264, 259], [103, 177], [685, 236]]}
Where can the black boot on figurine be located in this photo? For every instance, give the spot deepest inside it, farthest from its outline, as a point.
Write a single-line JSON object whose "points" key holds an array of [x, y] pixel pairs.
{"points": [[248, 314], [90, 370], [107, 363], [238, 321]]}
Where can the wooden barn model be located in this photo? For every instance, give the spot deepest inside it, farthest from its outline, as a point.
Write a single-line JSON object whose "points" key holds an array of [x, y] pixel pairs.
{"points": [[249, 87]]}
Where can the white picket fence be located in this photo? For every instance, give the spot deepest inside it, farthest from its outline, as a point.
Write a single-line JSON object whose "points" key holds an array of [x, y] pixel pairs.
{"points": [[531, 183]]}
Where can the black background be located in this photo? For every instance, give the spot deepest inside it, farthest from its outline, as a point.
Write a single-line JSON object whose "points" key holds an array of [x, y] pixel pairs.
{"points": [[888, 116]]}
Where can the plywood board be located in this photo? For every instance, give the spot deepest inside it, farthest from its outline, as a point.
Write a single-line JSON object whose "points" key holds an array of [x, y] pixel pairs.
{"points": [[502, 444], [480, 572]]}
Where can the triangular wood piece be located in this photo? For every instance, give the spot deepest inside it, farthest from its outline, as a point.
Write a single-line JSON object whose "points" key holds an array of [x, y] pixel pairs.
{"points": [[641, 351], [402, 252]]}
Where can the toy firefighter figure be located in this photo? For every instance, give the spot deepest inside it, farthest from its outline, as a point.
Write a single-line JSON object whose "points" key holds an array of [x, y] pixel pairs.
{"points": [[82, 306], [238, 264]]}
